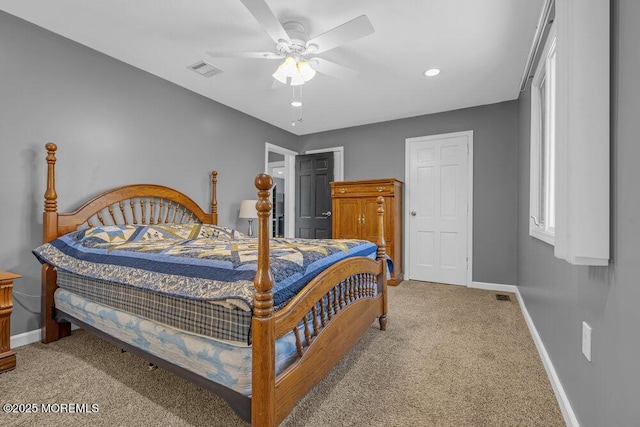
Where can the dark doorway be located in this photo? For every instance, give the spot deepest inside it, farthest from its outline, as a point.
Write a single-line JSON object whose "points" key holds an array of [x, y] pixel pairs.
{"points": [[314, 172]]}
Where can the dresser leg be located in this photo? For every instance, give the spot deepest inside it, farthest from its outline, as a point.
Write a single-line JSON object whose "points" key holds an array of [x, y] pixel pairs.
{"points": [[7, 356]]}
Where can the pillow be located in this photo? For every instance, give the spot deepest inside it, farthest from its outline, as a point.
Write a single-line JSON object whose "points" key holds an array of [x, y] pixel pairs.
{"points": [[116, 234]]}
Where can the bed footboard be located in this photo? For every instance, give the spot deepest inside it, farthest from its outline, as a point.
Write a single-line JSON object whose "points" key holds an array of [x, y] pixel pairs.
{"points": [[328, 317]]}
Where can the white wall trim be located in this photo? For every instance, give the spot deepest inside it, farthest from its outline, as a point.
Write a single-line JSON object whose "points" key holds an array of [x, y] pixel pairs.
{"points": [[30, 337], [289, 184], [494, 287], [563, 401], [25, 338]]}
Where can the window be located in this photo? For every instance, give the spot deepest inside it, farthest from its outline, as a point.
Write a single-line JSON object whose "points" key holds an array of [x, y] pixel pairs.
{"points": [[543, 131]]}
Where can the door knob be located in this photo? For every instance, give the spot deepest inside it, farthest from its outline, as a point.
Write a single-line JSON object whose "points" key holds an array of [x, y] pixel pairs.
{"points": [[328, 213], [413, 213]]}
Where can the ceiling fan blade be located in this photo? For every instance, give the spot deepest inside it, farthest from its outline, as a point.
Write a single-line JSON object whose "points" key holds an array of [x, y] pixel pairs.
{"points": [[248, 55], [345, 33], [332, 69], [265, 16]]}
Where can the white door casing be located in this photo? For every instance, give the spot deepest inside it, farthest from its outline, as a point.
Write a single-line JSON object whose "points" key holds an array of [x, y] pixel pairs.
{"points": [[438, 217], [289, 180]]}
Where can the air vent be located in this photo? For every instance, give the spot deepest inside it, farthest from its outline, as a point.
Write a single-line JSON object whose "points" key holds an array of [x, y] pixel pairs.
{"points": [[205, 69], [502, 297]]}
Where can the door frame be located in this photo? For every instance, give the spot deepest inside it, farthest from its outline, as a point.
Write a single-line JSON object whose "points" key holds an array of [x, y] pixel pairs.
{"points": [[407, 214], [338, 160], [289, 184]]}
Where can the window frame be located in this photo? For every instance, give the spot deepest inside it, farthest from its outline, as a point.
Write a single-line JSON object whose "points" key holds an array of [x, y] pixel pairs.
{"points": [[542, 162]]}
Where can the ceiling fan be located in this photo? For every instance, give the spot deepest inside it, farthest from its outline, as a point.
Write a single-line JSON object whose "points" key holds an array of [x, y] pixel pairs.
{"points": [[297, 50]]}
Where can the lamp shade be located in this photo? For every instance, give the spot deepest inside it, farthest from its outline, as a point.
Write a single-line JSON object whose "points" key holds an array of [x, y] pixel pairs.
{"points": [[306, 71], [248, 209]]}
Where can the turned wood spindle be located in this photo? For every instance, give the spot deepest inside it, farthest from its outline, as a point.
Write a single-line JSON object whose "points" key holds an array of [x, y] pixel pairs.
{"points": [[314, 313], [214, 196], [100, 218], [113, 217], [124, 217], [50, 195], [307, 332], [263, 406], [143, 214], [152, 205]]}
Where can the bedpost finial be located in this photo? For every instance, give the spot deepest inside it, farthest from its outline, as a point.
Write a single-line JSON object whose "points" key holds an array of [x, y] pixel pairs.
{"points": [[381, 242], [214, 195], [263, 298], [50, 195], [264, 182]]}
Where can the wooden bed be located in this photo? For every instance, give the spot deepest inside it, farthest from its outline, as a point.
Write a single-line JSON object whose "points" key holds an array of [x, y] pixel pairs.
{"points": [[320, 346]]}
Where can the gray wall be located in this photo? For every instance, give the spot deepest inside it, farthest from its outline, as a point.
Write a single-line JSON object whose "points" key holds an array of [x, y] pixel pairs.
{"points": [[114, 125], [559, 296], [377, 151]]}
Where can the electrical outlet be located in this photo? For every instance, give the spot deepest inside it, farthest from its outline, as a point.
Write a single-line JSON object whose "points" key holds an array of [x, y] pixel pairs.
{"points": [[586, 341]]}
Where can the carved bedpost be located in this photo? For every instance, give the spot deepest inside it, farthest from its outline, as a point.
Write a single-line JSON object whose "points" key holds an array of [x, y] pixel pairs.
{"points": [[263, 408], [381, 256], [51, 330], [50, 216], [214, 197]]}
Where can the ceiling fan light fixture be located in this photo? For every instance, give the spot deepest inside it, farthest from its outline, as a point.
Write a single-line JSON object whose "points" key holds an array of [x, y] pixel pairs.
{"points": [[297, 80], [289, 66], [280, 75], [306, 71]]}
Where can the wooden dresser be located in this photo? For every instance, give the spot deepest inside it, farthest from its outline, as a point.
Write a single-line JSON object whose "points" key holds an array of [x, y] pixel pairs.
{"points": [[354, 213], [7, 356]]}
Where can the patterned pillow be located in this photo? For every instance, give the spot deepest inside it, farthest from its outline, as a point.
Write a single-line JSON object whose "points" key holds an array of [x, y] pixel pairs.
{"points": [[115, 234], [107, 234]]}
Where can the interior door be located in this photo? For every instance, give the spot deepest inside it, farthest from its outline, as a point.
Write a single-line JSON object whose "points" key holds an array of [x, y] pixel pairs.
{"points": [[438, 180], [314, 172]]}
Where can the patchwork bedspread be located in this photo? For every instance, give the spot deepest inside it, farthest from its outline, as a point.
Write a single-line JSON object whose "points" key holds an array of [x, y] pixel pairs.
{"points": [[195, 261]]}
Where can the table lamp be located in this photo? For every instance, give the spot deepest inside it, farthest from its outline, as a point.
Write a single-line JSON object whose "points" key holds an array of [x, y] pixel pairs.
{"points": [[248, 211]]}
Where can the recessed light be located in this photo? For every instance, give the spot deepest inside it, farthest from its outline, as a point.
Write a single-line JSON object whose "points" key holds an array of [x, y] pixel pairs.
{"points": [[296, 103], [432, 72]]}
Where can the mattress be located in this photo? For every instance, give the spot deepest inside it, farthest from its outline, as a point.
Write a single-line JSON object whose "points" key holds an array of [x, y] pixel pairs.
{"points": [[201, 317], [223, 362]]}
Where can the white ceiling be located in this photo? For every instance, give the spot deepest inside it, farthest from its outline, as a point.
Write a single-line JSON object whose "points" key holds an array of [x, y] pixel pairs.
{"points": [[481, 46]]}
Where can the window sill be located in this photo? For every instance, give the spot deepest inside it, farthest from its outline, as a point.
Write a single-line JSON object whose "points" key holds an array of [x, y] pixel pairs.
{"points": [[545, 236]]}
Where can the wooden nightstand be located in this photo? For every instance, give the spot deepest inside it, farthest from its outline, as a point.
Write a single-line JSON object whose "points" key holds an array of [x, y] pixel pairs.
{"points": [[7, 357]]}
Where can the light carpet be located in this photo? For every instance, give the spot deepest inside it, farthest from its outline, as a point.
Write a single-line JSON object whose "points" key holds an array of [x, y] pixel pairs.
{"points": [[451, 356]]}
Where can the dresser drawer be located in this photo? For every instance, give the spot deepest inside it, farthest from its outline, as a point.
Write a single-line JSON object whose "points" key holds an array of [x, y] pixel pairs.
{"points": [[369, 190]]}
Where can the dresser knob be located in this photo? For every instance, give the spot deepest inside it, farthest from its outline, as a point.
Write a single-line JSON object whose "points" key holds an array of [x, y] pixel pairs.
{"points": [[380, 189], [343, 190]]}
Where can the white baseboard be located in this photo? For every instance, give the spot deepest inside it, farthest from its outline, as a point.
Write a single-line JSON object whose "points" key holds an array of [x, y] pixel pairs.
{"points": [[25, 338], [563, 401], [29, 337], [494, 287]]}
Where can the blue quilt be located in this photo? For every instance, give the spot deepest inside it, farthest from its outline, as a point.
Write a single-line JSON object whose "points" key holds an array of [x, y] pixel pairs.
{"points": [[195, 261]]}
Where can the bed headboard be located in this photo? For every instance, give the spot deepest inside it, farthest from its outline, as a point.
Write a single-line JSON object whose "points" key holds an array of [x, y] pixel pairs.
{"points": [[131, 204]]}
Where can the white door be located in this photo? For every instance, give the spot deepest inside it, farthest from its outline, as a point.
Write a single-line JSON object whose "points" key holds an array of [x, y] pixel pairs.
{"points": [[438, 208]]}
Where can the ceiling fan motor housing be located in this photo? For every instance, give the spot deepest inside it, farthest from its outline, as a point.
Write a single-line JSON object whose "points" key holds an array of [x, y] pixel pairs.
{"points": [[298, 36]]}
